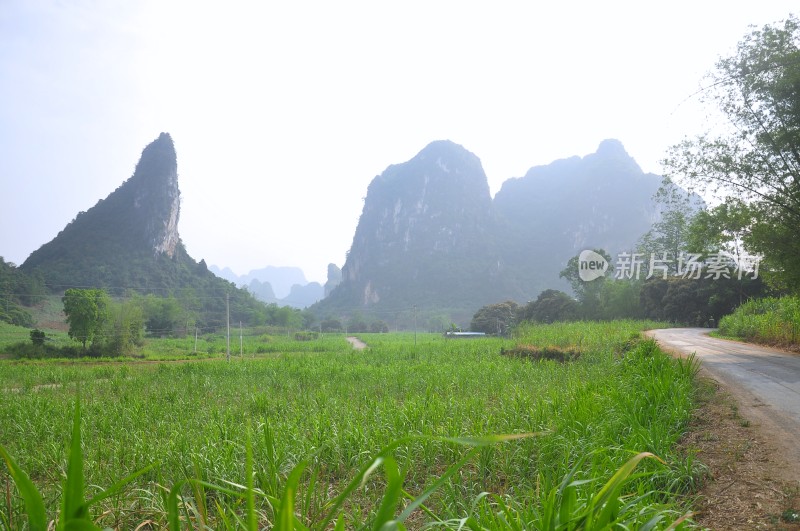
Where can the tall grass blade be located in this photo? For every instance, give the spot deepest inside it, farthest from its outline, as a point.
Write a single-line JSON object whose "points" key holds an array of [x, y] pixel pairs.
{"points": [[252, 519], [392, 494], [173, 511], [34, 506], [73, 504], [286, 520], [117, 487], [606, 497], [272, 459]]}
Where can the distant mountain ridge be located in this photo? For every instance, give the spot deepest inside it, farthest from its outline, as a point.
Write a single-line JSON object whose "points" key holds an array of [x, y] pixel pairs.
{"points": [[602, 200], [281, 278], [282, 285], [430, 235]]}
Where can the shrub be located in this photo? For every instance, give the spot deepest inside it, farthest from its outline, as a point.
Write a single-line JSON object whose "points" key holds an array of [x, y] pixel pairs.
{"points": [[769, 320]]}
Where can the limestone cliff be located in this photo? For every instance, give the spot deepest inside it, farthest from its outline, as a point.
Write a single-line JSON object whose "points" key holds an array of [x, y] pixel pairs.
{"points": [[118, 241], [424, 237]]}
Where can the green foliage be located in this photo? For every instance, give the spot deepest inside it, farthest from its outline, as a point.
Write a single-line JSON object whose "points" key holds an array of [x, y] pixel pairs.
{"points": [[34, 505], [621, 299], [561, 509], [551, 306], [767, 320], [696, 302], [698, 298], [74, 512], [379, 327], [588, 293], [357, 323], [17, 290], [331, 325], [123, 329], [284, 316], [756, 158], [86, 311], [669, 236], [165, 316], [112, 328], [721, 228], [496, 318], [37, 337]]}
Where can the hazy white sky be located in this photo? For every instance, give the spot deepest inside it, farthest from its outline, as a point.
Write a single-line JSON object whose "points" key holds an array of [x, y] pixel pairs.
{"points": [[282, 112]]}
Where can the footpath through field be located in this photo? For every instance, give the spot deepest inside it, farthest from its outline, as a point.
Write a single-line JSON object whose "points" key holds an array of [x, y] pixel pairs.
{"points": [[357, 343], [765, 382]]}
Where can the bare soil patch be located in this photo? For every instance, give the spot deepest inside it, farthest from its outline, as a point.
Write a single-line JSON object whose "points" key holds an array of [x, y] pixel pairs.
{"points": [[746, 486]]}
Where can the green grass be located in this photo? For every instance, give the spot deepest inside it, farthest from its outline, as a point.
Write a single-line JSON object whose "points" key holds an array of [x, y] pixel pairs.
{"points": [[769, 320], [380, 426], [256, 342]]}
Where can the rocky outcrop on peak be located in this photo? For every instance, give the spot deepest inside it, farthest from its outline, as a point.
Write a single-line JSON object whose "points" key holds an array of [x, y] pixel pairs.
{"points": [[129, 239]]}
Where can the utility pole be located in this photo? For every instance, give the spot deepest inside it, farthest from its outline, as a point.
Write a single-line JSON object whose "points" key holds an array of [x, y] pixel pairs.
{"points": [[415, 327], [241, 344], [228, 312]]}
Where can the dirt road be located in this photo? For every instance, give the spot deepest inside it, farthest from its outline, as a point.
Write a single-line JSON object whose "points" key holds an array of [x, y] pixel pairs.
{"points": [[765, 382]]}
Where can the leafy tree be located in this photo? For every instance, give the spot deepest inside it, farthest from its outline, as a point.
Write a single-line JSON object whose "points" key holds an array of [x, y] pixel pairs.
{"points": [[124, 327], [164, 316], [357, 323], [550, 306], [696, 301], [378, 327], [721, 228], [331, 325], [757, 157], [587, 292], [309, 318], [620, 299], [668, 237], [86, 311], [495, 318]]}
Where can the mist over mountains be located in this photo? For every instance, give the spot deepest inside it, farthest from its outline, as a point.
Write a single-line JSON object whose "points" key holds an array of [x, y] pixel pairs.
{"points": [[280, 278], [430, 236], [600, 201], [282, 285]]}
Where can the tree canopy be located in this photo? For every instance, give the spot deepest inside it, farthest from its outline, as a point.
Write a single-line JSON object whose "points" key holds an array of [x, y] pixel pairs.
{"points": [[495, 318], [86, 311], [756, 156]]}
